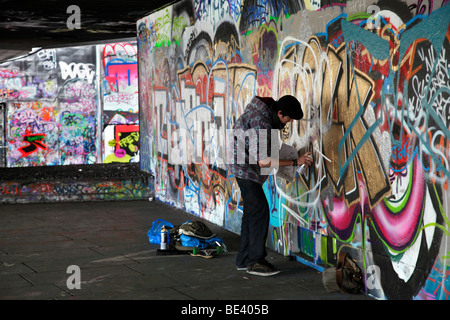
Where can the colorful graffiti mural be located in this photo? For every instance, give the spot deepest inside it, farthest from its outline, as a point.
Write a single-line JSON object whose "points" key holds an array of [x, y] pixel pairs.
{"points": [[120, 103], [61, 105], [373, 80], [68, 191]]}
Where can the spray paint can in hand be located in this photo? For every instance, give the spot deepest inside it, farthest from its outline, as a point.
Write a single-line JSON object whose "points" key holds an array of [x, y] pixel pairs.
{"points": [[163, 238], [301, 169]]}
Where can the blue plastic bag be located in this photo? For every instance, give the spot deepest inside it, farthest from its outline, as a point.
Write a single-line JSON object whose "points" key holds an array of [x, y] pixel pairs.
{"points": [[187, 241], [154, 234]]}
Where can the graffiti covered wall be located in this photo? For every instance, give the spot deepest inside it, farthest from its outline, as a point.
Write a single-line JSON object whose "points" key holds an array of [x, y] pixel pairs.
{"points": [[120, 102], [373, 80], [74, 105]]}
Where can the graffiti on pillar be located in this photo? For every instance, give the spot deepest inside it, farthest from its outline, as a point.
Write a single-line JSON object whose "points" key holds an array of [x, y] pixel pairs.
{"points": [[119, 92], [125, 144], [77, 98], [120, 84]]}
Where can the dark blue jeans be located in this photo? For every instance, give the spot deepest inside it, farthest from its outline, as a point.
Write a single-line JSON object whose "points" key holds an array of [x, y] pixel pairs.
{"points": [[255, 224]]}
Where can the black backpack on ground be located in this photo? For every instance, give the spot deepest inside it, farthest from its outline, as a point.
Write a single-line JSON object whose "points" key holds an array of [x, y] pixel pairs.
{"points": [[346, 276]]}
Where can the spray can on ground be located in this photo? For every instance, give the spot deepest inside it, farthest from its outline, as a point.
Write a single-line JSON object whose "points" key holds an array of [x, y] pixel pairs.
{"points": [[163, 238]]}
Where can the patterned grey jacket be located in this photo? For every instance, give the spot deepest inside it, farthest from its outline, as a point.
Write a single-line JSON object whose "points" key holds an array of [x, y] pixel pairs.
{"points": [[255, 137]]}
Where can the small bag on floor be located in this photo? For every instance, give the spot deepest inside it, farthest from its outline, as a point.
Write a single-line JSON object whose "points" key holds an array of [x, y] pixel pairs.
{"points": [[346, 276]]}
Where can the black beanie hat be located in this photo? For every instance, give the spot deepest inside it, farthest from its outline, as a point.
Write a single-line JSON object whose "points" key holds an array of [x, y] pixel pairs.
{"points": [[290, 106]]}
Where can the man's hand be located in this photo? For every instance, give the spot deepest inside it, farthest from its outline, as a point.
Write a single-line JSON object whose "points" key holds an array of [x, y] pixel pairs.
{"points": [[306, 159]]}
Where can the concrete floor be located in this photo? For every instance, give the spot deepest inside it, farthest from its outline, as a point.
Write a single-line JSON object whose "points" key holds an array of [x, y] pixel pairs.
{"points": [[108, 242]]}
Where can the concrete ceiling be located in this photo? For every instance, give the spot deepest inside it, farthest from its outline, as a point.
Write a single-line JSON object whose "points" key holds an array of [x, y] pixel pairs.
{"points": [[44, 23]]}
